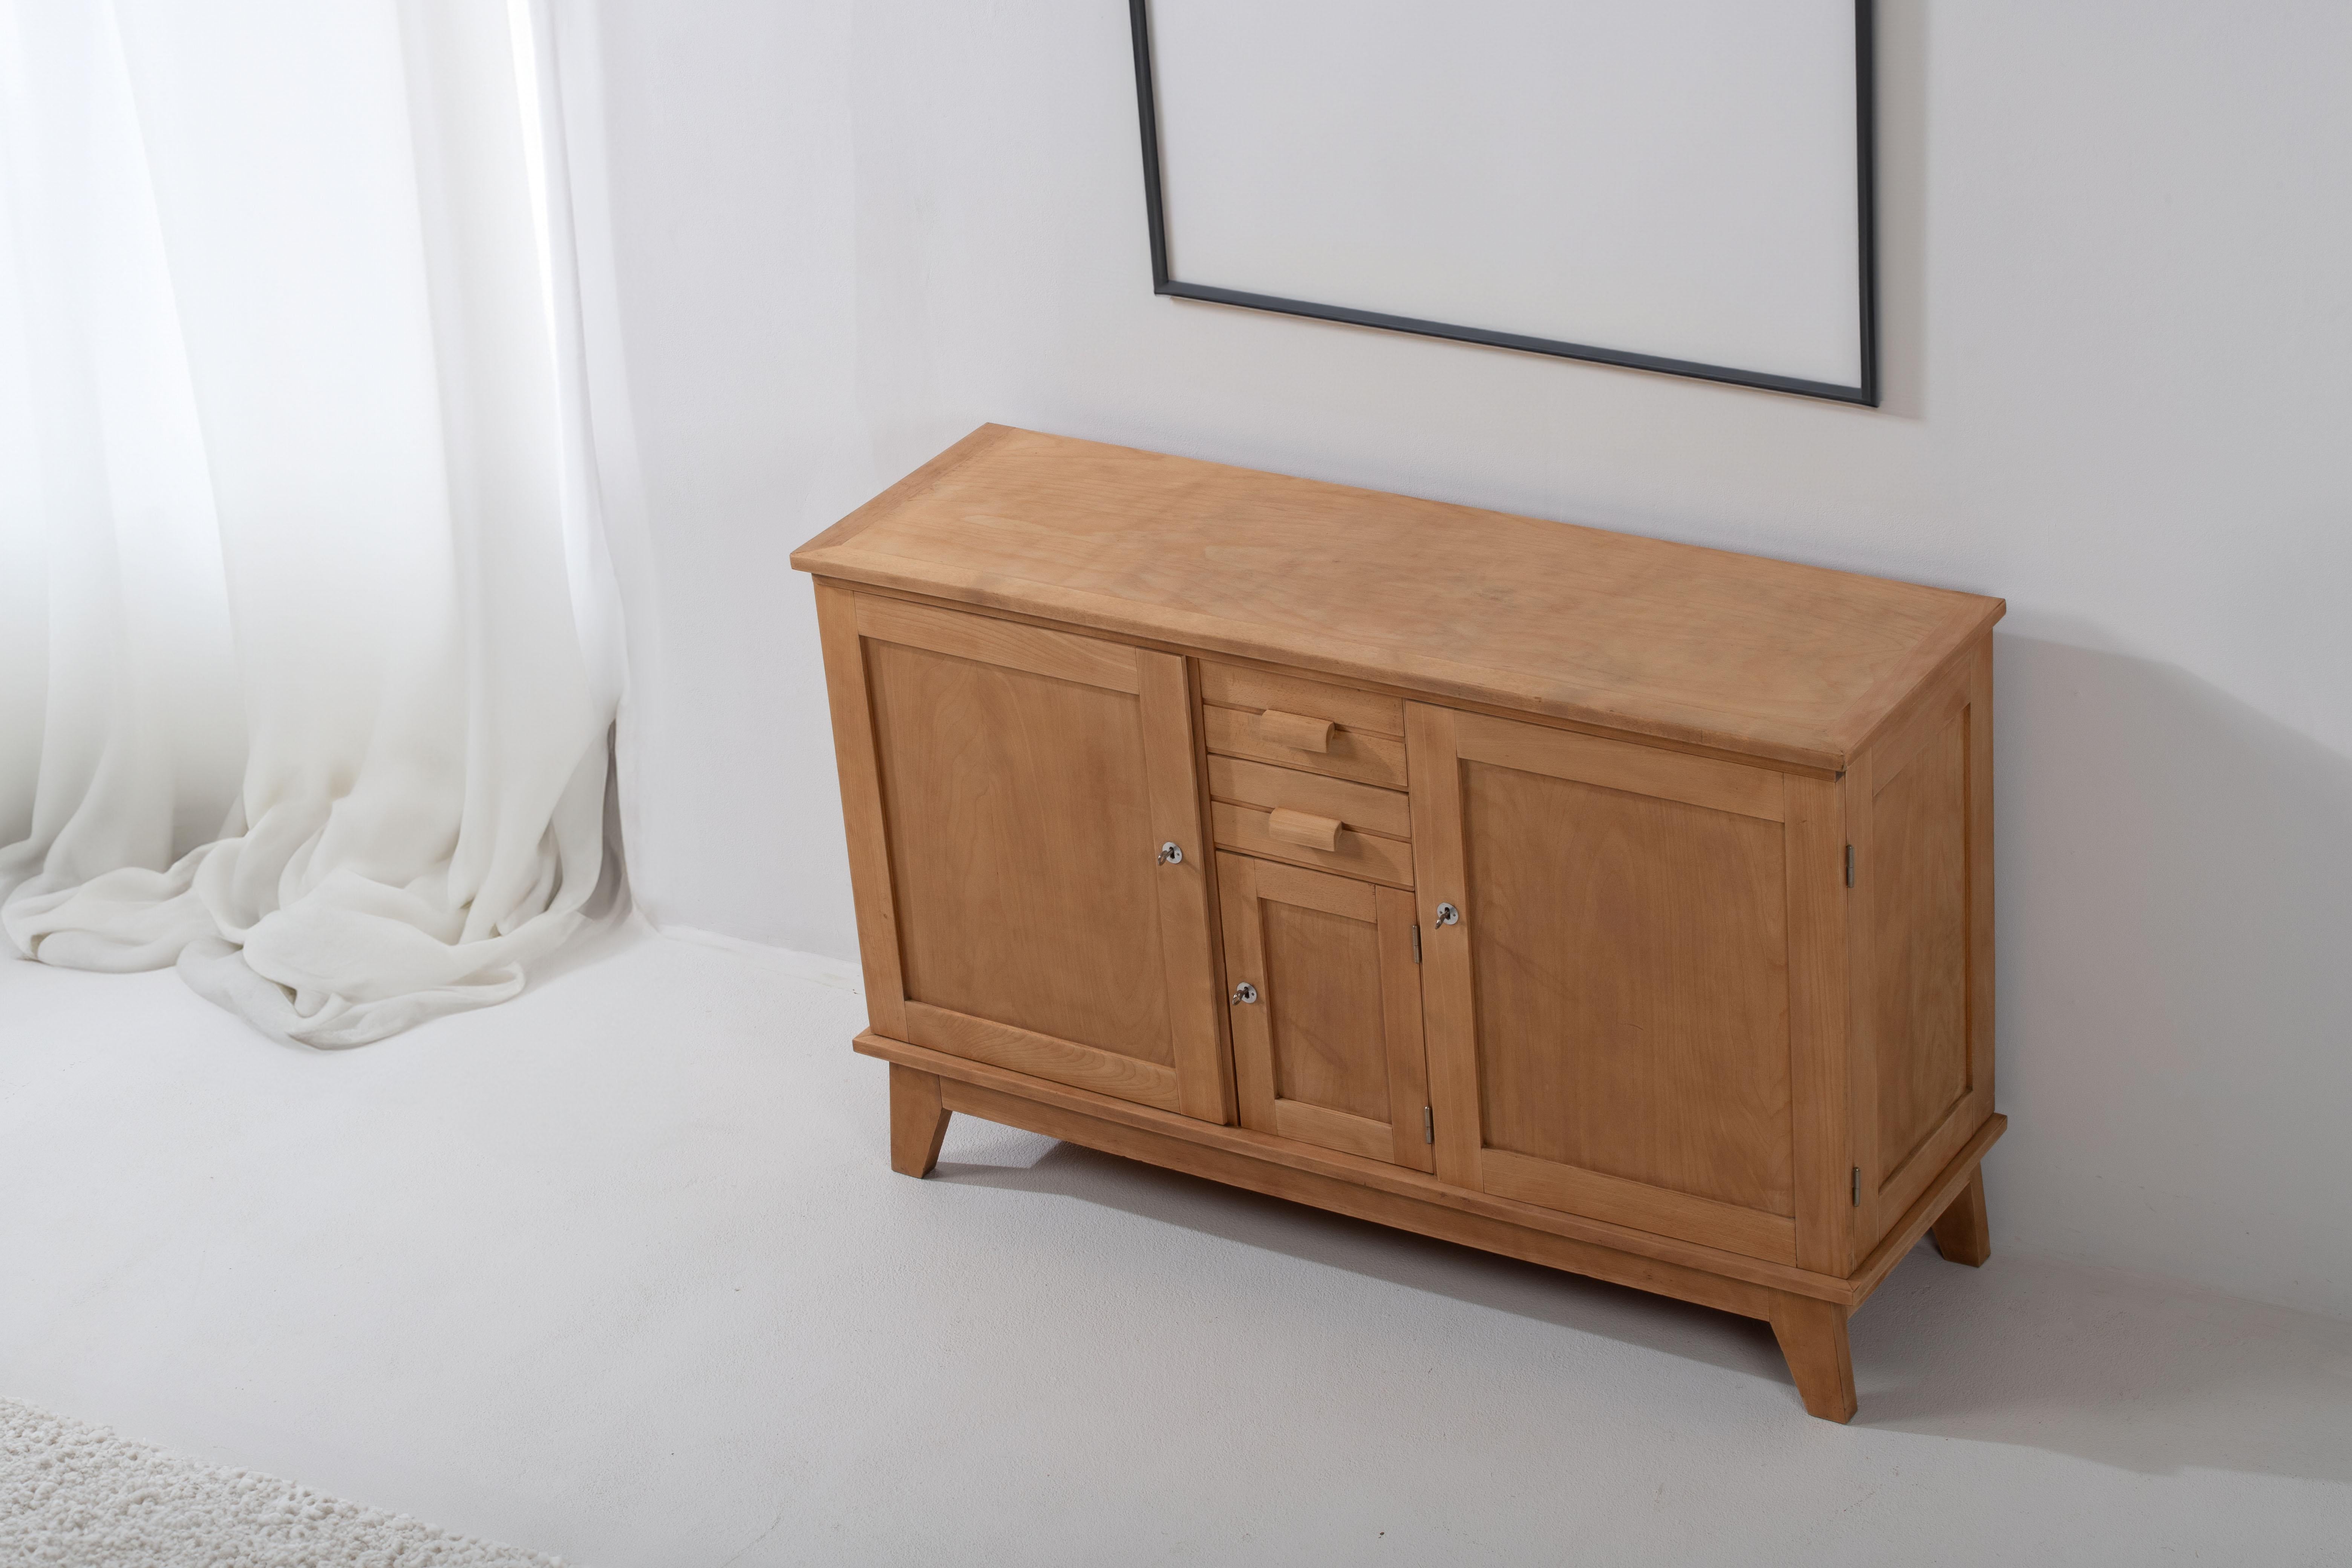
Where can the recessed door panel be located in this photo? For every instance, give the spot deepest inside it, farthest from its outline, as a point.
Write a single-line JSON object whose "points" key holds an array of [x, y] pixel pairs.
{"points": [[1323, 996], [1613, 1016], [1632, 1013], [1028, 780], [1017, 809], [1326, 1009]]}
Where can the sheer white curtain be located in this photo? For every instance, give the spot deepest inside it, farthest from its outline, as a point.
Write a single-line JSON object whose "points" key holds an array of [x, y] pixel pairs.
{"points": [[309, 643]]}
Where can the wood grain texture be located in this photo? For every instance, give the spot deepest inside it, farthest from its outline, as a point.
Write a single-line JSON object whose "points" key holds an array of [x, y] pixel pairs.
{"points": [[1388, 1177], [1330, 1051], [1641, 1205], [1410, 1140], [1812, 1337], [1255, 690], [1448, 997], [1904, 1231], [1303, 832], [1369, 685], [1320, 1124], [1963, 1233], [861, 808], [1898, 686], [1164, 705], [1932, 836], [1365, 855], [919, 1122], [1923, 716], [1620, 765], [1323, 990], [1251, 1022], [1355, 754], [1982, 956], [1342, 896], [1813, 872], [1023, 814], [1086, 660], [1633, 1013], [1870, 1216], [1918, 892], [1763, 657], [1021, 824], [1044, 1055], [1359, 807], [1293, 731]]}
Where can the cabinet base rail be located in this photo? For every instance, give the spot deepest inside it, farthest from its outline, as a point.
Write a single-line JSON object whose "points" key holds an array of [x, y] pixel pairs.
{"points": [[1808, 1311]]}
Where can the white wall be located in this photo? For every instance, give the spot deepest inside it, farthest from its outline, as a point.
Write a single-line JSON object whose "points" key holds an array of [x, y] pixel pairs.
{"points": [[2116, 239]]}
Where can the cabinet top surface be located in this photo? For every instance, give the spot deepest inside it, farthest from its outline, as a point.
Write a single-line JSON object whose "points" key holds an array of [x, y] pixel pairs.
{"points": [[1776, 660]]}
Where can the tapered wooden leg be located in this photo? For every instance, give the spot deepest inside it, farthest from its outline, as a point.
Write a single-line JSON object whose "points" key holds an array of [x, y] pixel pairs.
{"points": [[1813, 1336], [917, 1120], [1961, 1233]]}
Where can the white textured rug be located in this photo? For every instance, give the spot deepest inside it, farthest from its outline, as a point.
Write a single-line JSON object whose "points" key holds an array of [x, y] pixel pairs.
{"points": [[75, 1494]]}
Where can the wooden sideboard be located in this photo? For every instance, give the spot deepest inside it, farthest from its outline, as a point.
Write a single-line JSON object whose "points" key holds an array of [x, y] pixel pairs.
{"points": [[1622, 906]]}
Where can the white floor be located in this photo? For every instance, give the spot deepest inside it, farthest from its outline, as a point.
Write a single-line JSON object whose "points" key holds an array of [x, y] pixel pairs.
{"points": [[619, 1271]]}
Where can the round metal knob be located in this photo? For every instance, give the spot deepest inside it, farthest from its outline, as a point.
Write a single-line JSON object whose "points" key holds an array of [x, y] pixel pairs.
{"points": [[1448, 915], [1245, 992], [1171, 854]]}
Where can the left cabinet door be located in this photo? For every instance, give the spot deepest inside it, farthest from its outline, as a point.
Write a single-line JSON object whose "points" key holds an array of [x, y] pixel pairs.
{"points": [[1009, 792]]}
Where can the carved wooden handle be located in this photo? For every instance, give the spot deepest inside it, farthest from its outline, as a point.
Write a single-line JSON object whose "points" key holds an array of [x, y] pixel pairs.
{"points": [[1306, 831], [1295, 730]]}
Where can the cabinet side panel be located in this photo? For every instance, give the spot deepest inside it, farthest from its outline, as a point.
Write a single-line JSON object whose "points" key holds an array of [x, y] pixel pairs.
{"points": [[861, 808], [1818, 990], [1631, 980], [1020, 819], [1919, 907], [1980, 870]]}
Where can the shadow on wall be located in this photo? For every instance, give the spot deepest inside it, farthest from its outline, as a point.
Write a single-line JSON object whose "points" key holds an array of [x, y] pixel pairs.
{"points": [[2175, 894]]}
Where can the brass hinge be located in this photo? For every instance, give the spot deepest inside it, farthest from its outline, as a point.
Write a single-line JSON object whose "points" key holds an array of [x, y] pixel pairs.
{"points": [[1416, 944], [1857, 1187], [1849, 865], [1428, 1125]]}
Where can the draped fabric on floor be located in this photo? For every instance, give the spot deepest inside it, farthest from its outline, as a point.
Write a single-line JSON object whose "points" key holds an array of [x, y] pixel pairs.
{"points": [[309, 646]]}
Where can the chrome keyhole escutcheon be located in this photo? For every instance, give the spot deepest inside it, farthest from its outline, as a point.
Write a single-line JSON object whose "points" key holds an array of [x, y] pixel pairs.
{"points": [[1172, 853], [1448, 915], [1245, 993]]}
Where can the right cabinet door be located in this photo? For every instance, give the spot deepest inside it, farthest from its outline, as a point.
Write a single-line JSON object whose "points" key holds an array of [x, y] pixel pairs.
{"points": [[1608, 998]]}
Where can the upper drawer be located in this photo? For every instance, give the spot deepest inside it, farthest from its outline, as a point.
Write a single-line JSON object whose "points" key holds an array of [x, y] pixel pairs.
{"points": [[1280, 718]]}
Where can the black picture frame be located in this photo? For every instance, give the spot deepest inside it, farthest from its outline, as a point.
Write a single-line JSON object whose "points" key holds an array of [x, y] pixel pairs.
{"points": [[1865, 394]]}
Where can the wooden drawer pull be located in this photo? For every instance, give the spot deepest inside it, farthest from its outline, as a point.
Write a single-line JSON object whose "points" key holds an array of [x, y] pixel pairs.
{"points": [[1306, 831], [1295, 730]]}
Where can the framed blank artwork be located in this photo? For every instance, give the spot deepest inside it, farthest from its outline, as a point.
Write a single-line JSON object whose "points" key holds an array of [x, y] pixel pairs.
{"points": [[1677, 185]]}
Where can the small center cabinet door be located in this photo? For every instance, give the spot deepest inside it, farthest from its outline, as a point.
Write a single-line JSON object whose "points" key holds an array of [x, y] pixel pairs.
{"points": [[1609, 1006], [1009, 789], [1327, 1044]]}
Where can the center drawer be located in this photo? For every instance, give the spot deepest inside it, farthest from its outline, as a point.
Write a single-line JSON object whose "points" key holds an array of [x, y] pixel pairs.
{"points": [[1311, 820]]}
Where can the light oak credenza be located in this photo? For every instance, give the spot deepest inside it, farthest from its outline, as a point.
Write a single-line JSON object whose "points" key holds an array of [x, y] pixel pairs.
{"points": [[1622, 906]]}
